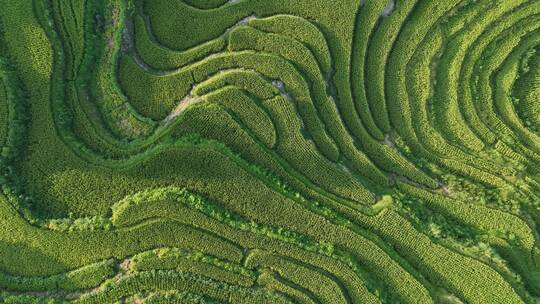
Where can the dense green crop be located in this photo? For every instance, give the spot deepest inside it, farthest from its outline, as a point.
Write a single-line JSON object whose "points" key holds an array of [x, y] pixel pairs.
{"points": [[253, 151]]}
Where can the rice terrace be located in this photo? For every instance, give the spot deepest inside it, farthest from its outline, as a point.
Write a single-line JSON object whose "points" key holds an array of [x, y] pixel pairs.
{"points": [[270, 151]]}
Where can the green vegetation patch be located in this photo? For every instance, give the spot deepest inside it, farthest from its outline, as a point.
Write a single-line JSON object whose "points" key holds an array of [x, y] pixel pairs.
{"points": [[254, 151]]}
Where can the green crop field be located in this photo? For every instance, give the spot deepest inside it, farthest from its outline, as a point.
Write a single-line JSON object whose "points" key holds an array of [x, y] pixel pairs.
{"points": [[270, 151]]}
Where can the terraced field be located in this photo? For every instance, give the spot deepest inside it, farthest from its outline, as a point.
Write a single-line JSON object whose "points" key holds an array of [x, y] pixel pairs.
{"points": [[256, 151]]}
